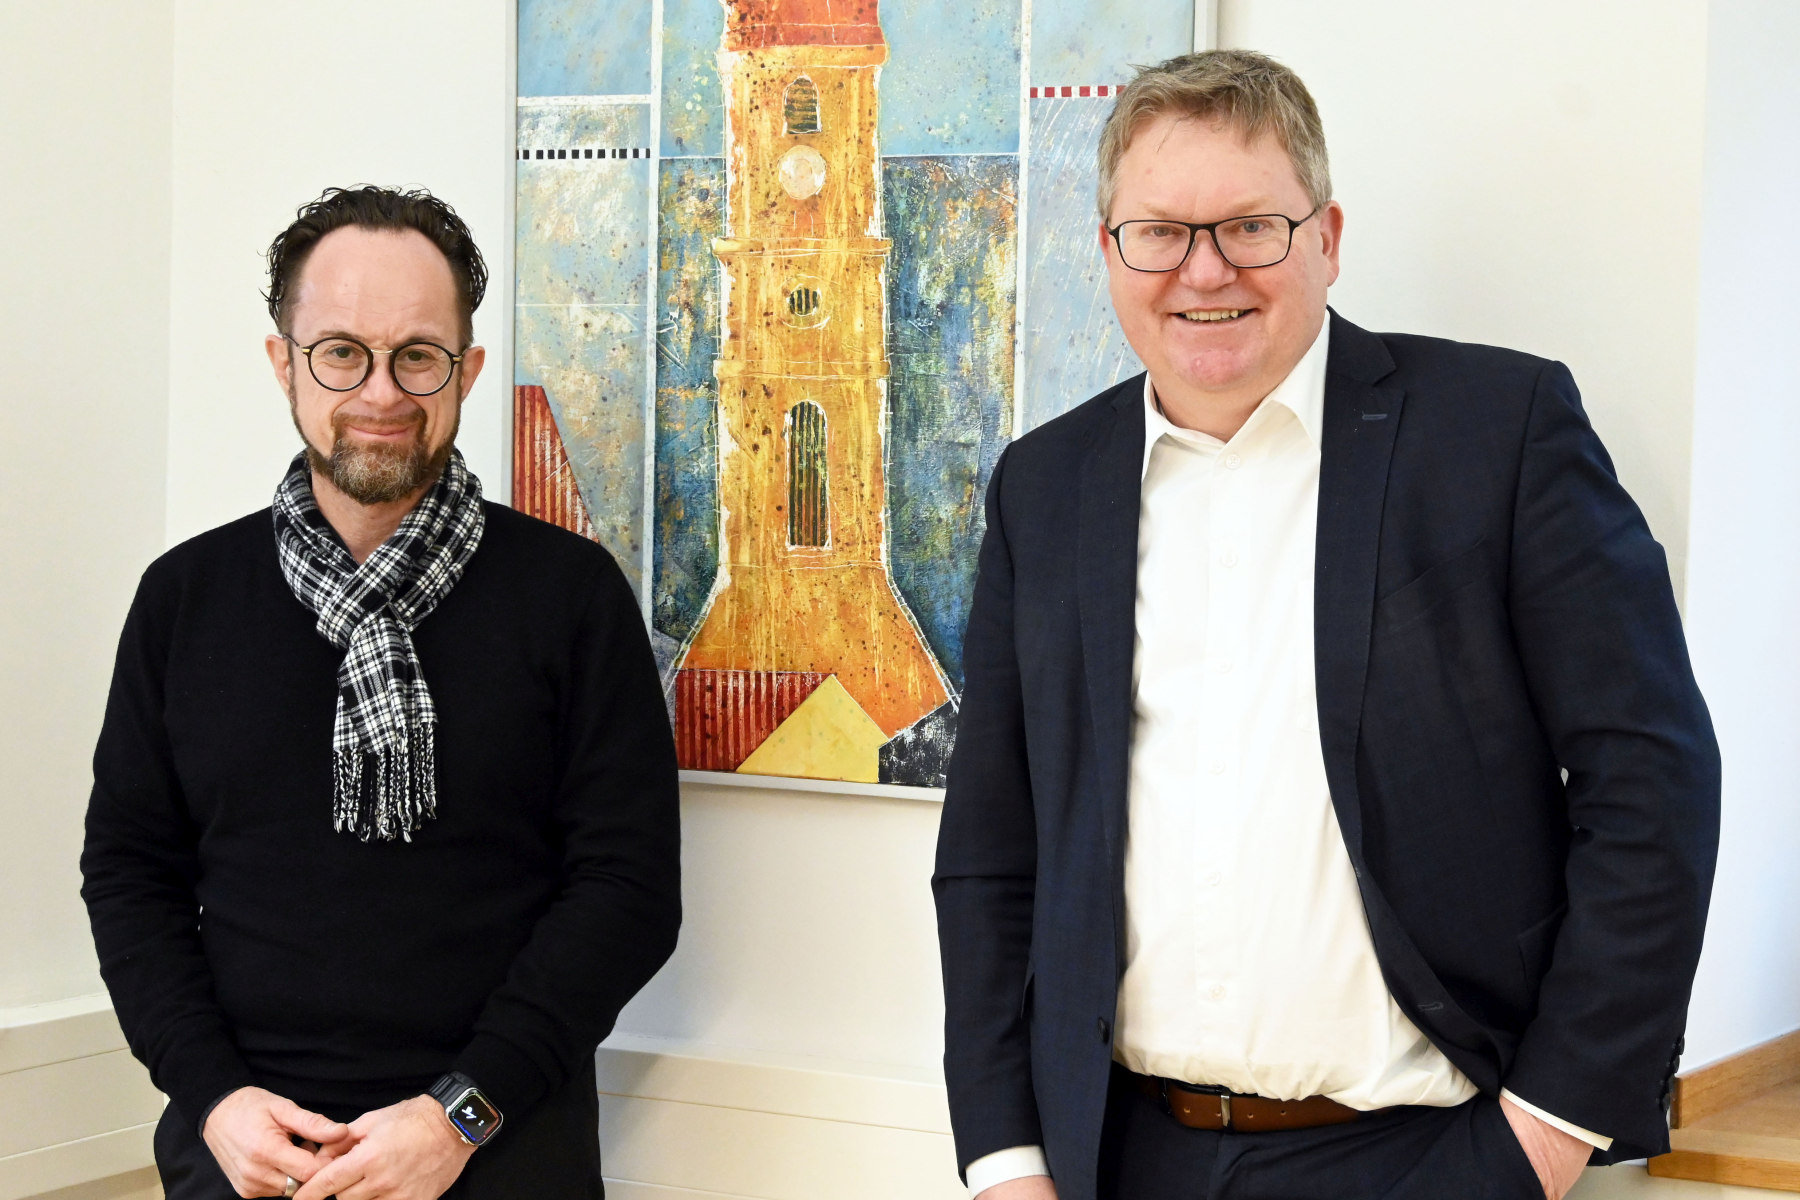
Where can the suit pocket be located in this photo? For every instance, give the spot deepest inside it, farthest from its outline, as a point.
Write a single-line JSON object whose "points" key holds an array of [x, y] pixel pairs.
{"points": [[1537, 944], [1425, 591], [1525, 1184]]}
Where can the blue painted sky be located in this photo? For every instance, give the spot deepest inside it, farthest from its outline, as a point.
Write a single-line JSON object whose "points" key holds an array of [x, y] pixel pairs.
{"points": [[581, 305], [951, 85], [952, 280], [584, 47], [693, 110], [691, 201], [1073, 344], [1095, 41]]}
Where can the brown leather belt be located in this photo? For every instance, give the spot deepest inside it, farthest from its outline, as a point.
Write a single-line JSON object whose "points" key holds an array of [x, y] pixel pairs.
{"points": [[1218, 1108]]}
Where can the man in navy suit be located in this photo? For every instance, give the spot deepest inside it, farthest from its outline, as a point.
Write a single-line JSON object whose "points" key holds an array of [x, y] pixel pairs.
{"points": [[1334, 811]]}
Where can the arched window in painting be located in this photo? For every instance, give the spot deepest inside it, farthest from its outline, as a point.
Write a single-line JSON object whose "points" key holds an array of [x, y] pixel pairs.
{"points": [[809, 520], [800, 106], [802, 301], [805, 302]]}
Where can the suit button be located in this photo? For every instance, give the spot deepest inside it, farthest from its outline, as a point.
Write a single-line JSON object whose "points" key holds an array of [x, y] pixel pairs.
{"points": [[1105, 1029]]}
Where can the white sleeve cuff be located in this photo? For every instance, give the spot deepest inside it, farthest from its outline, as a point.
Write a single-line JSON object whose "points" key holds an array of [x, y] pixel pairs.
{"points": [[1576, 1131], [1003, 1165]]}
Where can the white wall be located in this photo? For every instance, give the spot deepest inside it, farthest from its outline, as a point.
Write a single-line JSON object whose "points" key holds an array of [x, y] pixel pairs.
{"points": [[274, 102], [1524, 174], [1744, 578], [810, 928], [84, 253]]}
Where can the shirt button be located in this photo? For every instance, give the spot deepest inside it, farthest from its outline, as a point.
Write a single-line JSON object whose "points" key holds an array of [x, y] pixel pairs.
{"points": [[1233, 462], [1210, 879], [1229, 558], [1223, 666], [1217, 766], [1216, 991], [1105, 1030]]}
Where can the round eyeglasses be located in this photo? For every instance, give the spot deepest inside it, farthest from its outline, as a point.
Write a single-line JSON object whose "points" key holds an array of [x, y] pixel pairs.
{"points": [[342, 364], [1262, 240]]}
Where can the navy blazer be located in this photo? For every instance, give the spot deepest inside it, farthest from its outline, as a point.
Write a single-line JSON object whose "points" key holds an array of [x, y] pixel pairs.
{"points": [[1490, 613]]}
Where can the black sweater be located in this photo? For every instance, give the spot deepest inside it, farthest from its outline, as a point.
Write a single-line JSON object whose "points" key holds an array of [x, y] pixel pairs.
{"points": [[244, 941]]}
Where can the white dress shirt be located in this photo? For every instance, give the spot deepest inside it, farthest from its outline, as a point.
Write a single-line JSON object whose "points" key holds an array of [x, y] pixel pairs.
{"points": [[1248, 957]]}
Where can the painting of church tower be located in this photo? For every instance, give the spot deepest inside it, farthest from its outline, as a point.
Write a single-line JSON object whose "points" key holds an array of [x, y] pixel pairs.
{"points": [[806, 661]]}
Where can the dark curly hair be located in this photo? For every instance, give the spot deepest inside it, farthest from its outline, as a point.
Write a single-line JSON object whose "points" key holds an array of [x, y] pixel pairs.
{"points": [[370, 207]]}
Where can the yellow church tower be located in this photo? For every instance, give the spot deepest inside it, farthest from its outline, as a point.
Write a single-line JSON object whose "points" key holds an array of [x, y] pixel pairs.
{"points": [[806, 659]]}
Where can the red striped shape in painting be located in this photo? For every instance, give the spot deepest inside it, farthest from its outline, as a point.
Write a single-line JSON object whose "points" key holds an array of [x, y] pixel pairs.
{"points": [[721, 717], [543, 484]]}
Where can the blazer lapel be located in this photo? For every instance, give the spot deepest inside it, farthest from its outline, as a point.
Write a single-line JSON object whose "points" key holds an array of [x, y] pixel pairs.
{"points": [[1356, 446], [1106, 593]]}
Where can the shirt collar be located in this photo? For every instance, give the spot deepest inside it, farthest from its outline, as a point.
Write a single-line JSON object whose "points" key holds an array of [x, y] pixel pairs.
{"points": [[1302, 393]]}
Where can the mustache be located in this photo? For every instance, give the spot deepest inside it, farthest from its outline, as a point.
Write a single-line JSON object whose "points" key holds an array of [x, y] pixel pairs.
{"points": [[415, 419]]}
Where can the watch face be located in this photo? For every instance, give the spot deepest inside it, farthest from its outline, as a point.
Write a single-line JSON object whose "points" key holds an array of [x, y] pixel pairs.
{"points": [[474, 1116]]}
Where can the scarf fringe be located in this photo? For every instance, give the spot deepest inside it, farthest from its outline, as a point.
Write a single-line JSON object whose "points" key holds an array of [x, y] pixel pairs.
{"points": [[396, 796]]}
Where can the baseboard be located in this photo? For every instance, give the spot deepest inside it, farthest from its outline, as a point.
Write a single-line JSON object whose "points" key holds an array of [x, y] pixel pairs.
{"points": [[50, 1168], [1705, 1092], [627, 1189], [79, 1107], [679, 1119], [141, 1184], [797, 1085], [36, 1035]]}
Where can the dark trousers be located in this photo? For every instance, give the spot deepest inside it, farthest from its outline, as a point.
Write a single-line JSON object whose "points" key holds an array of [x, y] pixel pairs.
{"points": [[1414, 1153], [554, 1151]]}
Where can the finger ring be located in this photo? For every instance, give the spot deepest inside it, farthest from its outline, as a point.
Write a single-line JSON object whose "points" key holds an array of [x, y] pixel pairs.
{"points": [[293, 1185]]}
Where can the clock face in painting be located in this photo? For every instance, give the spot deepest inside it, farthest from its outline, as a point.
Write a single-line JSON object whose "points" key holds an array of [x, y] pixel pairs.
{"points": [[802, 172]]}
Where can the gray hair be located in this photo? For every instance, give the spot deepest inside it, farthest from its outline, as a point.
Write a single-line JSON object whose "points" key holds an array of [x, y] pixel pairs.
{"points": [[1249, 91]]}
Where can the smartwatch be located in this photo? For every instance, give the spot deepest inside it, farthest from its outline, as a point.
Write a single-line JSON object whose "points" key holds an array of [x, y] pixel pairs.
{"points": [[471, 1114]]}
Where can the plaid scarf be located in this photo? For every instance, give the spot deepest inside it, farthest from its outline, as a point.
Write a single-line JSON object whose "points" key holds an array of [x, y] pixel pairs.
{"points": [[384, 760]]}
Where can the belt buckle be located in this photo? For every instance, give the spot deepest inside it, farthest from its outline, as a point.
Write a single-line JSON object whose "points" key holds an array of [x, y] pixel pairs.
{"points": [[1203, 1089]]}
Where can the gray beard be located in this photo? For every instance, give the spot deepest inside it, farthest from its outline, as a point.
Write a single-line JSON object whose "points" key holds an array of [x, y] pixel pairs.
{"points": [[379, 474], [376, 474]]}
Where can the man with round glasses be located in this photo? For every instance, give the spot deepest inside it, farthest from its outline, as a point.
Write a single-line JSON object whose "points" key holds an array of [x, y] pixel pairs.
{"points": [[383, 831], [1333, 811]]}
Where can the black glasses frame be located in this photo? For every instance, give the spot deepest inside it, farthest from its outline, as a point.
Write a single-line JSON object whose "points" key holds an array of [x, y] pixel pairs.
{"points": [[1211, 229], [370, 368]]}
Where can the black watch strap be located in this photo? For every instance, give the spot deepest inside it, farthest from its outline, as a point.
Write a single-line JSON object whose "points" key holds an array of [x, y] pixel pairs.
{"points": [[470, 1112]]}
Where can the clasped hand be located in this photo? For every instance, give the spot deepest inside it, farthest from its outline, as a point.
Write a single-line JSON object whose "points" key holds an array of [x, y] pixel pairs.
{"points": [[406, 1151]]}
